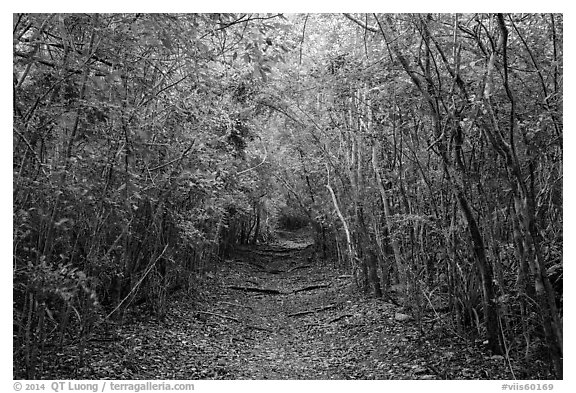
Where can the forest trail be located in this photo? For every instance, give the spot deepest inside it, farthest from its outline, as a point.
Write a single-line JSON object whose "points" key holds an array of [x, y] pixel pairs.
{"points": [[273, 312], [291, 330], [146, 144]]}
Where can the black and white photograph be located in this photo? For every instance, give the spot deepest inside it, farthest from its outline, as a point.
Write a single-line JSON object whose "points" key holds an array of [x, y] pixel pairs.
{"points": [[287, 196]]}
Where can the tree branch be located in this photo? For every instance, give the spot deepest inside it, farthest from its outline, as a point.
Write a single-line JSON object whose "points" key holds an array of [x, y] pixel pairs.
{"points": [[361, 24], [138, 283], [254, 167], [34, 154], [174, 160], [51, 64]]}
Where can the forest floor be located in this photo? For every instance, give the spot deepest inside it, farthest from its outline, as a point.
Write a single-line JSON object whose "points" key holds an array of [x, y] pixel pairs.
{"points": [[273, 312]]}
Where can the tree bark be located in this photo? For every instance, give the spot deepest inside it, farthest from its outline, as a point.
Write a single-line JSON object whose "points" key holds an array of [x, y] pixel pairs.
{"points": [[388, 216]]}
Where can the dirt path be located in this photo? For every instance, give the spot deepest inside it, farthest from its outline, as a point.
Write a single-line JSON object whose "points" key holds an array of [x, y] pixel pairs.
{"points": [[286, 340], [272, 312], [313, 328]]}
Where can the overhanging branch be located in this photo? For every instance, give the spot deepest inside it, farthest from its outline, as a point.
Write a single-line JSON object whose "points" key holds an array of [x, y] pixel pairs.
{"points": [[361, 24]]}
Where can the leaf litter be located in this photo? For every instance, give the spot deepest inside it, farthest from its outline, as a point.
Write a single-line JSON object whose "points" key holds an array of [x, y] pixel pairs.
{"points": [[311, 324]]}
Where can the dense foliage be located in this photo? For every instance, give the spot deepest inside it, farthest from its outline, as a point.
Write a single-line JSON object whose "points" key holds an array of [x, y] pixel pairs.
{"points": [[424, 150]]}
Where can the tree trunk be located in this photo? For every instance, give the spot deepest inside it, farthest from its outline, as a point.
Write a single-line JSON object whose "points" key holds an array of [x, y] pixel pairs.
{"points": [[545, 295], [388, 217], [490, 310], [351, 253], [257, 225]]}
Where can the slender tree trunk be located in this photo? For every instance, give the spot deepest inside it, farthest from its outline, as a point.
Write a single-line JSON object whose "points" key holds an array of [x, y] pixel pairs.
{"points": [[257, 225], [349, 244], [388, 216], [370, 257], [490, 310]]}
